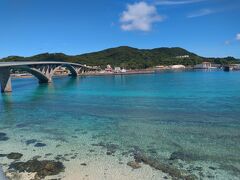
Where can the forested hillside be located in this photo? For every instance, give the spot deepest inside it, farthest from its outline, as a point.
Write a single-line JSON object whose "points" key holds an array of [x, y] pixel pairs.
{"points": [[128, 57]]}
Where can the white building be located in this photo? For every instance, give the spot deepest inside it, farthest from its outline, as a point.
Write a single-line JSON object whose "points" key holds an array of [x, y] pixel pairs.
{"points": [[117, 69], [123, 70], [236, 66], [204, 65], [109, 68], [182, 57]]}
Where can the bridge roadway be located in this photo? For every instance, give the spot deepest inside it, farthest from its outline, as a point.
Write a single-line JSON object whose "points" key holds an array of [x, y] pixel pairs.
{"points": [[42, 70]]}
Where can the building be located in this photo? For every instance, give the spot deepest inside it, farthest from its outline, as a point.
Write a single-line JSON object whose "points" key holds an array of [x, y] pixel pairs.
{"points": [[123, 70], [182, 57], [108, 68], [236, 66], [117, 69], [204, 65], [61, 71]]}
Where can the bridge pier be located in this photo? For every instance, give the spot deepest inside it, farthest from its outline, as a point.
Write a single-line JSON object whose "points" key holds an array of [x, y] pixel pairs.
{"points": [[43, 81], [5, 80]]}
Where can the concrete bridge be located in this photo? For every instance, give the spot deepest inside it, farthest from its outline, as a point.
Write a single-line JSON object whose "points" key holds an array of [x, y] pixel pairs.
{"points": [[44, 71]]}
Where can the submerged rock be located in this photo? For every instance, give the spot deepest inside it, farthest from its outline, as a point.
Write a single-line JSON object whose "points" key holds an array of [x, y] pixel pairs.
{"points": [[109, 153], [73, 157], [14, 156], [3, 136], [212, 168], [60, 157], [42, 168], [31, 141], [182, 156], [152, 151], [125, 154], [40, 145], [48, 154], [111, 148], [174, 172], [36, 157], [99, 144], [134, 164], [22, 125]]}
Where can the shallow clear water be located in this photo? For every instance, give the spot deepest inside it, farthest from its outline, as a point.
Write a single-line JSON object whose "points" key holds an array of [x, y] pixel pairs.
{"points": [[194, 112]]}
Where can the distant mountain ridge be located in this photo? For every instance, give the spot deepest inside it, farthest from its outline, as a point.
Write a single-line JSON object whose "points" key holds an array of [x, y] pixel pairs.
{"points": [[129, 57]]}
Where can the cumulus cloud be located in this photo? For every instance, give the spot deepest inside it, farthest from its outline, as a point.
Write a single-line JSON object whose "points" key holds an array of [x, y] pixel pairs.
{"points": [[175, 2], [238, 36], [139, 16], [202, 12]]}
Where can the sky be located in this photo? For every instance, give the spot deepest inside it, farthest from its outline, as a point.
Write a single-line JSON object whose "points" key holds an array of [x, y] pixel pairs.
{"points": [[210, 28]]}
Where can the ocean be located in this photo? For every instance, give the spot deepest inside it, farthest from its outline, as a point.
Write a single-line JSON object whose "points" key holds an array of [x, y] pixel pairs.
{"points": [[187, 121]]}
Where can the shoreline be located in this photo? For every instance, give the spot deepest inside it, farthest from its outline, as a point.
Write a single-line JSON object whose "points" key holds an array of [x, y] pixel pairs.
{"points": [[130, 72], [92, 74], [120, 73]]}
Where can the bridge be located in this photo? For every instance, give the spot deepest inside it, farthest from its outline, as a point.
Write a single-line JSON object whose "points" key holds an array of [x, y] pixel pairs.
{"points": [[44, 71]]}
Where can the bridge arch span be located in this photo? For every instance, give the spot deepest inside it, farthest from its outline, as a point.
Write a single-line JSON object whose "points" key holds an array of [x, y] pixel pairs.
{"points": [[43, 71], [73, 71], [42, 78], [45, 76]]}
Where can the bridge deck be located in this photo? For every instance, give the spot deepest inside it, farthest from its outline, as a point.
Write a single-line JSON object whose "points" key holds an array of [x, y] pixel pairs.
{"points": [[11, 64]]}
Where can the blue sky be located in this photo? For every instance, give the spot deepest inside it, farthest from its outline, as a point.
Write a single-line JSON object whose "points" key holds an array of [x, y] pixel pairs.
{"points": [[206, 27]]}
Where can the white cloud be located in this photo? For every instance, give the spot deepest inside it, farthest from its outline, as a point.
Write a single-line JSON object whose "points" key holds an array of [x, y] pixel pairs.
{"points": [[175, 2], [238, 36], [228, 42], [202, 12], [139, 16]]}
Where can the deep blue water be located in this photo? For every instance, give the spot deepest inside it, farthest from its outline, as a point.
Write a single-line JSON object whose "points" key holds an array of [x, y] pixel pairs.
{"points": [[194, 112]]}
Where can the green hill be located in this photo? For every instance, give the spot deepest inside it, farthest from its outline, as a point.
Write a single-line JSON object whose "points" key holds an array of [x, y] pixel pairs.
{"points": [[129, 57]]}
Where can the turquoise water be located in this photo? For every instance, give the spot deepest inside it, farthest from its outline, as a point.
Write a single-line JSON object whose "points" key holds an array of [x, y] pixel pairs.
{"points": [[193, 112]]}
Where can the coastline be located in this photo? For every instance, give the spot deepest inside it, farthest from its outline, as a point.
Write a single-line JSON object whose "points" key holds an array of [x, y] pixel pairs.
{"points": [[120, 73], [130, 72]]}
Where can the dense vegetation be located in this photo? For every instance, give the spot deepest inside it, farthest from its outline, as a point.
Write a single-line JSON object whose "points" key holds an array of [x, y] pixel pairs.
{"points": [[130, 58]]}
